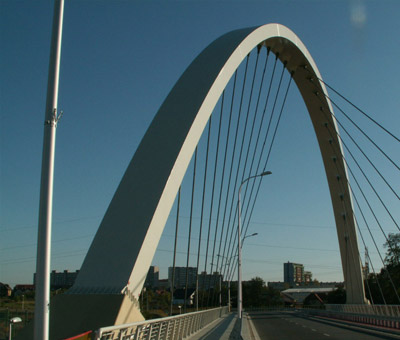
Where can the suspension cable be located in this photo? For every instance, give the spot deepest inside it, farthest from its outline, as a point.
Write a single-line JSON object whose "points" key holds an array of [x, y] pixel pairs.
{"points": [[358, 109], [175, 244], [238, 181], [221, 186], [359, 187], [202, 214], [190, 227], [231, 227], [361, 170], [356, 200], [364, 134], [219, 255], [213, 190], [272, 142], [270, 148], [358, 205], [272, 114]]}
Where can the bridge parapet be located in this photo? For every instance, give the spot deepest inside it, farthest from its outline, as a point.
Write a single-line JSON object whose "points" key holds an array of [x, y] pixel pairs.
{"points": [[169, 328], [382, 310], [384, 316]]}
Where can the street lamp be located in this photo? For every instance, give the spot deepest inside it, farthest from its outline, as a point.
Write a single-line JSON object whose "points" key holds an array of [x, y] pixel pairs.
{"points": [[13, 321], [239, 302], [247, 237]]}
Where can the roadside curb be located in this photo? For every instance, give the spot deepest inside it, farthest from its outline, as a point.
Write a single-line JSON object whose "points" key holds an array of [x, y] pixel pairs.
{"points": [[248, 332]]}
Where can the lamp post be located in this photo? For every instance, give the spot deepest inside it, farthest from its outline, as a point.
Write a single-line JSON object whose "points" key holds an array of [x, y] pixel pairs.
{"points": [[13, 321], [239, 302], [42, 289]]}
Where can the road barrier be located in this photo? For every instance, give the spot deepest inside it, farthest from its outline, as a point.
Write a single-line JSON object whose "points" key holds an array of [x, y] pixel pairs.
{"points": [[387, 316], [382, 310], [378, 315]]}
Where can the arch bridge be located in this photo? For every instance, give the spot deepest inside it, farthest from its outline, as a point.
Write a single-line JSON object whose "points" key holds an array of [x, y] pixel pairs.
{"points": [[113, 273]]}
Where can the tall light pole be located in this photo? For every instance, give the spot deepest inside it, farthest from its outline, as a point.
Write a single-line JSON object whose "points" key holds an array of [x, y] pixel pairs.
{"points": [[42, 300], [12, 321], [239, 302]]}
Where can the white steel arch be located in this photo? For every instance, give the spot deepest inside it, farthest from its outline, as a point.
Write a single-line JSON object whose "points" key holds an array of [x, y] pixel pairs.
{"points": [[153, 177], [123, 248]]}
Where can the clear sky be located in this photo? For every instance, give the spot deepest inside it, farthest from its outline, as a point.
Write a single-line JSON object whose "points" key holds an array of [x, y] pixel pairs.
{"points": [[119, 61]]}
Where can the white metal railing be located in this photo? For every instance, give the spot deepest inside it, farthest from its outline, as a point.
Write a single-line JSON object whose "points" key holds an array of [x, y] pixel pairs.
{"points": [[386, 316], [382, 310], [169, 328]]}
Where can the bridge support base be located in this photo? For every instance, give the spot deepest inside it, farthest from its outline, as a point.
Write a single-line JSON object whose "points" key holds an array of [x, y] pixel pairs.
{"points": [[73, 314]]}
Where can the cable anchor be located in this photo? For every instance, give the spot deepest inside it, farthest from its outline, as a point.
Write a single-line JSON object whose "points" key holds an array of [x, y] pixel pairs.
{"points": [[54, 118]]}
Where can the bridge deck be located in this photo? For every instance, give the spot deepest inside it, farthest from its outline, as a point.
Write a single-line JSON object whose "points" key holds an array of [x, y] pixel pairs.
{"points": [[224, 328]]}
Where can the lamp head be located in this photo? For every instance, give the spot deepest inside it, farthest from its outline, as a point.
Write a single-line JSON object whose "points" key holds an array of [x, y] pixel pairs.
{"points": [[265, 173], [15, 320]]}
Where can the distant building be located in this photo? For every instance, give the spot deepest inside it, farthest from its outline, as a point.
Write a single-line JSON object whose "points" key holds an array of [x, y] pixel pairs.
{"points": [[163, 284], [180, 277], [293, 273], [59, 280], [152, 277], [210, 281], [22, 289], [307, 277], [5, 289]]}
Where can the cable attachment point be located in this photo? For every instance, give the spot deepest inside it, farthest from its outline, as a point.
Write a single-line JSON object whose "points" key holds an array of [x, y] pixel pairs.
{"points": [[59, 116], [54, 118]]}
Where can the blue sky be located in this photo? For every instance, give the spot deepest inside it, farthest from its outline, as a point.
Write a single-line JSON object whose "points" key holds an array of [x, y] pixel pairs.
{"points": [[119, 61]]}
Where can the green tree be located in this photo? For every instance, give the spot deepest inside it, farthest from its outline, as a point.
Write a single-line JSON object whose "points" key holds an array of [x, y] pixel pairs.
{"points": [[257, 294], [272, 297], [253, 291], [337, 296], [393, 250], [384, 287]]}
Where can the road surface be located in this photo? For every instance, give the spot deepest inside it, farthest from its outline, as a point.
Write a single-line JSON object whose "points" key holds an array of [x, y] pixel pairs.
{"points": [[280, 325]]}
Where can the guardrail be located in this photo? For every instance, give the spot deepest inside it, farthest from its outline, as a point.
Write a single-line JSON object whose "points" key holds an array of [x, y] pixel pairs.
{"points": [[169, 328], [383, 310], [366, 317]]}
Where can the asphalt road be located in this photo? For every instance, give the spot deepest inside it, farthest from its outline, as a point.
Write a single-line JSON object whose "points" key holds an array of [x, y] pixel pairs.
{"points": [[295, 325]]}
